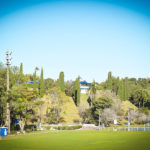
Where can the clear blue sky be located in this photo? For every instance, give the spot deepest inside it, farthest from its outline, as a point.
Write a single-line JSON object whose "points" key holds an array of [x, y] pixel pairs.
{"points": [[86, 38]]}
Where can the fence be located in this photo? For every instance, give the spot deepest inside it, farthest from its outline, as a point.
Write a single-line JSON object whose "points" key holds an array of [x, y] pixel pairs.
{"points": [[126, 129]]}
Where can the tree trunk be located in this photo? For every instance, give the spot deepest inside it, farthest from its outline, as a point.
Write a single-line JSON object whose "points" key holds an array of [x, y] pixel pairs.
{"points": [[22, 124]]}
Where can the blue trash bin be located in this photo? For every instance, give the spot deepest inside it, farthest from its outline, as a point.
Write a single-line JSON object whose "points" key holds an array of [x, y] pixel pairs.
{"points": [[39, 125], [3, 131], [127, 123]]}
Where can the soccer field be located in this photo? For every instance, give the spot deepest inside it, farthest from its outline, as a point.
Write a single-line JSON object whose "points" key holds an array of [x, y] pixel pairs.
{"points": [[78, 140]]}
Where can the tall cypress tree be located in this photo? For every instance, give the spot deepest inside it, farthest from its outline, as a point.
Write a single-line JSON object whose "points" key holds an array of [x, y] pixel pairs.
{"points": [[41, 84], [61, 81], [109, 81], [77, 91], [92, 92], [120, 89], [21, 73], [123, 91], [126, 89], [115, 85]]}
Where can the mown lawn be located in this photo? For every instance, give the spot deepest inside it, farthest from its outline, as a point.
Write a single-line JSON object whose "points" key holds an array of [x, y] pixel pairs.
{"points": [[79, 140]]}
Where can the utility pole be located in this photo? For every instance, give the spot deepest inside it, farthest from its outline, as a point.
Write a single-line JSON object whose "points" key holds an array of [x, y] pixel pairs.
{"points": [[8, 62]]}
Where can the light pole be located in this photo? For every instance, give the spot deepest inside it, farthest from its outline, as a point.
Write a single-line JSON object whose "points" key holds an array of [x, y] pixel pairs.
{"points": [[8, 62]]}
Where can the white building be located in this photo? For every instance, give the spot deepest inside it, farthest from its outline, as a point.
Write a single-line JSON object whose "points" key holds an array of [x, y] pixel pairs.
{"points": [[84, 89], [84, 86]]}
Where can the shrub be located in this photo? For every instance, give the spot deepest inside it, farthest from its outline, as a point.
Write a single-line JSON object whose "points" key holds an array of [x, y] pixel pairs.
{"points": [[69, 127]]}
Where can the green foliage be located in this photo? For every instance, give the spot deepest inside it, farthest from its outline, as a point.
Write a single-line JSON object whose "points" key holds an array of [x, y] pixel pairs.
{"points": [[123, 90], [14, 76], [93, 88], [144, 110], [77, 91], [143, 83], [92, 92], [49, 83], [69, 127], [21, 101], [101, 103], [2, 94], [126, 92], [26, 101], [39, 103], [98, 106], [109, 81], [21, 73], [54, 112], [34, 79], [140, 97], [69, 88], [99, 87], [41, 84], [61, 83], [115, 85]]}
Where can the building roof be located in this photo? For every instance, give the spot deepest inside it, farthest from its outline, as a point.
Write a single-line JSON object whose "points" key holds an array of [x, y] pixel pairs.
{"points": [[30, 82], [84, 82]]}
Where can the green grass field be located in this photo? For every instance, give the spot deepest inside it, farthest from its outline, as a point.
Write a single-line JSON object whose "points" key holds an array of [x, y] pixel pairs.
{"points": [[79, 140]]}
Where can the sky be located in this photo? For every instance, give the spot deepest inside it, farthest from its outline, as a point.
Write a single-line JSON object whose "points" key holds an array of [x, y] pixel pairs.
{"points": [[82, 38]]}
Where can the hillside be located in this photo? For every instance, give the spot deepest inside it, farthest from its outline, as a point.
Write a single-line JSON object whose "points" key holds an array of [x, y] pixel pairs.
{"points": [[84, 99], [68, 112]]}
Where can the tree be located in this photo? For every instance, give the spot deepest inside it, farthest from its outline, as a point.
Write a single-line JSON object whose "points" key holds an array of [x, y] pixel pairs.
{"points": [[55, 111], [21, 103], [41, 84], [21, 73], [14, 75], [117, 107], [82, 108], [126, 92], [109, 81], [108, 116], [34, 79], [77, 91], [61, 83], [40, 104], [2, 94], [99, 105], [69, 88], [49, 83], [143, 83], [123, 91], [92, 92], [142, 117], [140, 97], [132, 115], [102, 103], [115, 85]]}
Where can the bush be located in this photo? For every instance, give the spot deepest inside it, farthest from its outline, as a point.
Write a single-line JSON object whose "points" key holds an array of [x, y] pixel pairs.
{"points": [[30, 127], [28, 130], [69, 127], [15, 127]]}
